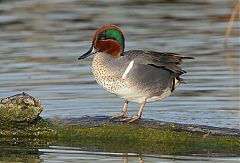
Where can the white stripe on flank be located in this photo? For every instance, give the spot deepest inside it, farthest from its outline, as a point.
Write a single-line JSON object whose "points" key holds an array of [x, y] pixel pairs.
{"points": [[128, 69]]}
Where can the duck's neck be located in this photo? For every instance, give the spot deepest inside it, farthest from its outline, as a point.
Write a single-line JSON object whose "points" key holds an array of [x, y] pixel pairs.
{"points": [[102, 59]]}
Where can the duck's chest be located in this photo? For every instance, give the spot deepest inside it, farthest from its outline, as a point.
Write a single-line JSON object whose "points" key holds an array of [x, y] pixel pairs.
{"points": [[106, 75]]}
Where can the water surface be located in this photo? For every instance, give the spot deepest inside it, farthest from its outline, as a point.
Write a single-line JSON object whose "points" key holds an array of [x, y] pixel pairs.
{"points": [[41, 40]]}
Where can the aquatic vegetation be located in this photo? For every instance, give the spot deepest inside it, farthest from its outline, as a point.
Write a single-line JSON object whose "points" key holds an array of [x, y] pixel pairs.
{"points": [[129, 138], [19, 108], [39, 129], [118, 138]]}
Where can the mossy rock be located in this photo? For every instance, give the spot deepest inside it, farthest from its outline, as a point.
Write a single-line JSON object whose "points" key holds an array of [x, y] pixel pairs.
{"points": [[20, 108], [134, 139], [36, 130]]}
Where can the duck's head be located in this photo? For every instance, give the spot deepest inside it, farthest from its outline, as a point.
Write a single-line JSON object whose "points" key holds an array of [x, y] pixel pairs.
{"points": [[108, 39]]}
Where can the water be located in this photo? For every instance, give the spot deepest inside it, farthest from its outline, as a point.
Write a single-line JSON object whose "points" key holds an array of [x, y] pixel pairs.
{"points": [[41, 40], [70, 154]]}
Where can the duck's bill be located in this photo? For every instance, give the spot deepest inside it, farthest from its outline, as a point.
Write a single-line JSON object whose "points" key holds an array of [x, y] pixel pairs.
{"points": [[90, 52]]}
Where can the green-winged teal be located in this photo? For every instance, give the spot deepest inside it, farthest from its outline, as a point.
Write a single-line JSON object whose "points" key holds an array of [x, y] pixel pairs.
{"points": [[137, 75]]}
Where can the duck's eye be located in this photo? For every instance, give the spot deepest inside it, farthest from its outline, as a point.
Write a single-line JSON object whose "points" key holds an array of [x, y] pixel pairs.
{"points": [[102, 37]]}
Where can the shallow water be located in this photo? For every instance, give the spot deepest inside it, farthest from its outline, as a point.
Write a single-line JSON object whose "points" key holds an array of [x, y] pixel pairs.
{"points": [[41, 40], [71, 154]]}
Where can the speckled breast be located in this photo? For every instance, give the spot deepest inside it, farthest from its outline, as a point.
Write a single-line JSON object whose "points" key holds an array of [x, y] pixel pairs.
{"points": [[111, 81]]}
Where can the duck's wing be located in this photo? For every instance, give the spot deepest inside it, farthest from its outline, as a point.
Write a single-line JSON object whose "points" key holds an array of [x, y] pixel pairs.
{"points": [[168, 61]]}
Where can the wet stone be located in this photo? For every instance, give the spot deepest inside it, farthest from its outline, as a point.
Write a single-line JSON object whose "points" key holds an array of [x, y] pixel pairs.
{"points": [[20, 108]]}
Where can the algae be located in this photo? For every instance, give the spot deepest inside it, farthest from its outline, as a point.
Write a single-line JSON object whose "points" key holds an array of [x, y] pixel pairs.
{"points": [[19, 108], [117, 138], [128, 138], [40, 129]]}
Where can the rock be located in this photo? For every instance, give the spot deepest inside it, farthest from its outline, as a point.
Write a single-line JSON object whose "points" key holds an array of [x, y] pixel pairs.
{"points": [[20, 108], [98, 121]]}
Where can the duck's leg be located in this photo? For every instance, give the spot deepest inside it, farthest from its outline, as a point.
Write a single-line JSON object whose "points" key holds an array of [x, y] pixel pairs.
{"points": [[137, 116], [123, 112]]}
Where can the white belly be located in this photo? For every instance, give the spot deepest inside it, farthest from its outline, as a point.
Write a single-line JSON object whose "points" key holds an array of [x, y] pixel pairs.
{"points": [[138, 96]]}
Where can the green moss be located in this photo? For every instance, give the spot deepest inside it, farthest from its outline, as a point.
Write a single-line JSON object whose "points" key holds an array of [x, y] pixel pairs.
{"points": [[19, 114], [25, 129], [117, 138], [19, 108], [127, 138]]}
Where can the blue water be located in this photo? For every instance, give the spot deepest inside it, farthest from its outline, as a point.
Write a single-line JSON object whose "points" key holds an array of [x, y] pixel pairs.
{"points": [[40, 42]]}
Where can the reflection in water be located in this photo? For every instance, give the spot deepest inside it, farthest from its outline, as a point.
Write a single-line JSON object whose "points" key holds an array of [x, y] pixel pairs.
{"points": [[57, 153], [18, 154], [81, 154], [66, 154], [125, 158]]}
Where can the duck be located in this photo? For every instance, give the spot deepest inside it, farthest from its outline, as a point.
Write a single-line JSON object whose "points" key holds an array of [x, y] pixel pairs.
{"points": [[138, 76]]}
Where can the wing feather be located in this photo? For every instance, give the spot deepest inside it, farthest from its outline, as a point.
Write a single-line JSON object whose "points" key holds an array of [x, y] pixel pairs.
{"points": [[168, 61]]}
